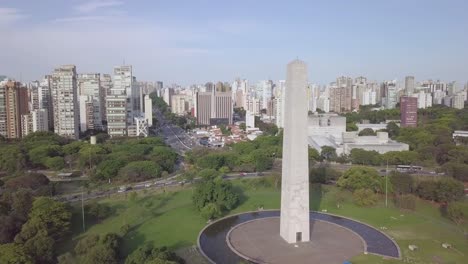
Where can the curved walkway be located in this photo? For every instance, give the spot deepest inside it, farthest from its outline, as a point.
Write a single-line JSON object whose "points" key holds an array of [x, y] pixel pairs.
{"points": [[212, 239]]}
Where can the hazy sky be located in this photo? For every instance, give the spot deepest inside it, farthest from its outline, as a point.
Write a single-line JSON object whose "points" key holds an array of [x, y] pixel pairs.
{"points": [[195, 41]]}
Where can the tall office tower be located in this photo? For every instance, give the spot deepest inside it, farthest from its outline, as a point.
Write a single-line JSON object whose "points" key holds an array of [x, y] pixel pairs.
{"points": [[168, 93], [13, 104], [294, 220], [209, 87], [45, 99], [409, 111], [65, 101], [106, 86], [222, 108], [452, 88], [409, 85], [214, 108], [149, 110], [391, 98], [203, 108], [90, 99], [458, 101], [267, 93]]}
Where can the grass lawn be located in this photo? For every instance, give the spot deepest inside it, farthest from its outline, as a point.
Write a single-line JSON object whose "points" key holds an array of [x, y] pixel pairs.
{"points": [[170, 219]]}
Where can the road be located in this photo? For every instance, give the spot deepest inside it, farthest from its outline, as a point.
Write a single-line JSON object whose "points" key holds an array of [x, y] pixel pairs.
{"points": [[154, 184], [173, 135]]}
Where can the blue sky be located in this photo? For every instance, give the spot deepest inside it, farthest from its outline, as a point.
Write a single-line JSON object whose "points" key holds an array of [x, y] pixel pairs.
{"points": [[195, 41]]}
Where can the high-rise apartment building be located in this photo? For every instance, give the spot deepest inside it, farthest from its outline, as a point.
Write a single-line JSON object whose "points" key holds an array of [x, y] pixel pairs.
{"points": [[409, 85], [409, 111], [45, 99], [179, 104], [65, 101], [13, 104], [116, 107], [90, 99], [36, 120], [340, 99], [149, 110], [458, 101]]}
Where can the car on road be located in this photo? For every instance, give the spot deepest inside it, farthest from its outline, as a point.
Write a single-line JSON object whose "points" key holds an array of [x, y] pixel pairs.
{"points": [[147, 185], [242, 174], [123, 189]]}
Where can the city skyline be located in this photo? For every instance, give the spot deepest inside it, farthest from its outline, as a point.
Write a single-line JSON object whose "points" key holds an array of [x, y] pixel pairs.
{"points": [[195, 43]]}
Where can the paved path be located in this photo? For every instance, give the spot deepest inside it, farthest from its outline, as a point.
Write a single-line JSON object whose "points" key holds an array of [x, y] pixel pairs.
{"points": [[212, 240]]}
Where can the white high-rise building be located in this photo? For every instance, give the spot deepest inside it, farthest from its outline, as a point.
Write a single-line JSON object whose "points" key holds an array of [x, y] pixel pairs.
{"points": [[323, 103], [178, 104], [149, 110], [409, 85], [65, 102], [45, 99], [458, 101], [267, 93], [249, 120], [91, 108], [40, 120]]}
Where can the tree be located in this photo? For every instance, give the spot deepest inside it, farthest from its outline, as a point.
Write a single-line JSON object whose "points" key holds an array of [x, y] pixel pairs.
{"points": [[393, 129], [98, 211], [97, 249], [365, 157], [367, 132], [314, 154], [12, 158], [1, 183], [139, 171], [323, 174], [351, 126], [243, 126], [216, 191], [47, 215], [449, 190], [402, 183], [148, 254], [328, 153], [365, 197], [39, 154], [211, 211], [108, 169], [360, 178], [14, 254], [54, 163], [456, 212]]}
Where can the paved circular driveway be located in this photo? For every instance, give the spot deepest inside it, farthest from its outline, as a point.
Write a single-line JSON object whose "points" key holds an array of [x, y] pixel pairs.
{"points": [[213, 244]]}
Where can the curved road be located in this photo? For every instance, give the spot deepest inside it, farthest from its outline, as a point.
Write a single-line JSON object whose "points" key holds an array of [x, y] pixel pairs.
{"points": [[212, 240]]}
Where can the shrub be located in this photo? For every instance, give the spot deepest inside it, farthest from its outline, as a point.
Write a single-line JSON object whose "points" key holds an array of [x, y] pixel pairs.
{"points": [[365, 197]]}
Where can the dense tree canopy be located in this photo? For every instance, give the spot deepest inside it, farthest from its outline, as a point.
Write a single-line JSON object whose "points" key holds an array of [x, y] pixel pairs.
{"points": [[213, 194], [360, 178]]}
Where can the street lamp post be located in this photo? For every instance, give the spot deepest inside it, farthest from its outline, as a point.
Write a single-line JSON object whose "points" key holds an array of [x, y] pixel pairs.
{"points": [[386, 186]]}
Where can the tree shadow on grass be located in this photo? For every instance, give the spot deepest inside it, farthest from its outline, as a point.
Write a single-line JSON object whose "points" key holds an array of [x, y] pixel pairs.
{"points": [[240, 192], [133, 238]]}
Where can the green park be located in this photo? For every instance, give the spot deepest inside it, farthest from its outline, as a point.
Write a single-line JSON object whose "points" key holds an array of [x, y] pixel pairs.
{"points": [[426, 215]]}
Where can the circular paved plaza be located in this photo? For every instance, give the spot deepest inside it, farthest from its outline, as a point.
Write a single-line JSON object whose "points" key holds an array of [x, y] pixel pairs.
{"points": [[259, 241], [255, 236]]}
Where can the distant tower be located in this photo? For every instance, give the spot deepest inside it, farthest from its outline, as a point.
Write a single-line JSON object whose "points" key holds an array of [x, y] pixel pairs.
{"points": [[295, 225], [409, 85]]}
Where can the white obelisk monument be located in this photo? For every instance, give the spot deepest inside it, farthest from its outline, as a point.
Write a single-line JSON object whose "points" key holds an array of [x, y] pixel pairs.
{"points": [[295, 225]]}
